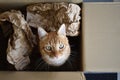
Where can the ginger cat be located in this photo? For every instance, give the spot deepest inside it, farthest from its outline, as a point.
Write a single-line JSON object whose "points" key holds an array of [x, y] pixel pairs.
{"points": [[54, 46]]}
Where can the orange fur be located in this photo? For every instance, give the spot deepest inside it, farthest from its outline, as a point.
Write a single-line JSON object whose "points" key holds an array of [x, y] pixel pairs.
{"points": [[53, 38], [54, 46]]}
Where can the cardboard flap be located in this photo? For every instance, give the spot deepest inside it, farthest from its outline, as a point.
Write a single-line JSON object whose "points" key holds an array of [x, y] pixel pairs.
{"points": [[101, 36], [42, 76]]}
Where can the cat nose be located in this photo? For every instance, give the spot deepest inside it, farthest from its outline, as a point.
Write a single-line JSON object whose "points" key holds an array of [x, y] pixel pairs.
{"points": [[56, 54]]}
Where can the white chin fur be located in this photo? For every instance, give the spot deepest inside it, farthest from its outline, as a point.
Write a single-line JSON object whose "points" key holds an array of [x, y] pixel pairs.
{"points": [[56, 61]]}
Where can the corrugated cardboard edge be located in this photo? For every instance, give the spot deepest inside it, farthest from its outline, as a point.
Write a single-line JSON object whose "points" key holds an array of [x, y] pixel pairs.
{"points": [[19, 3], [29, 1], [42, 76]]}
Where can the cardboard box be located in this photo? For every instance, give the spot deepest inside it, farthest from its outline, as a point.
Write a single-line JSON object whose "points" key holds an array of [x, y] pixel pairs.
{"points": [[13, 4], [100, 41]]}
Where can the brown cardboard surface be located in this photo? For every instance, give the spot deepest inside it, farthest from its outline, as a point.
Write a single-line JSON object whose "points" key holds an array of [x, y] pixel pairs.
{"points": [[15, 4], [11, 75], [29, 1], [41, 76], [101, 36]]}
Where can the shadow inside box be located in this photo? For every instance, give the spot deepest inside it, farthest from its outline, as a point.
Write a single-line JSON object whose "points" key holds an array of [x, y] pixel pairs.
{"points": [[4, 65]]}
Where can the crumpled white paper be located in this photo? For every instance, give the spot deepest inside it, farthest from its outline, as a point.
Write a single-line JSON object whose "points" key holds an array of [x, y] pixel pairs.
{"points": [[22, 40], [51, 15]]}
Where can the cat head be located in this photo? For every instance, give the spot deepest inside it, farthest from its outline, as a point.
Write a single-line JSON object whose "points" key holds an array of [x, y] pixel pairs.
{"points": [[54, 46]]}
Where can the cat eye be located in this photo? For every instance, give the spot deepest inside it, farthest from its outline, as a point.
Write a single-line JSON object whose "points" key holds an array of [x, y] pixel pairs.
{"points": [[61, 46], [48, 48]]}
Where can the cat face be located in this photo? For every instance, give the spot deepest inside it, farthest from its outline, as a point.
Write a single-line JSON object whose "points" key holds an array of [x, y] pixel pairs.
{"points": [[54, 46]]}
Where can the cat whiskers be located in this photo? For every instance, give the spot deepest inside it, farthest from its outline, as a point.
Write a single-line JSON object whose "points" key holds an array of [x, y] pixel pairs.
{"points": [[72, 46], [72, 55], [47, 67], [44, 67], [41, 62], [73, 52], [69, 62]]}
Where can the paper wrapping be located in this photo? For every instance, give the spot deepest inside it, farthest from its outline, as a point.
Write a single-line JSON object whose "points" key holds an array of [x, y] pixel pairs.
{"points": [[22, 40], [51, 15]]}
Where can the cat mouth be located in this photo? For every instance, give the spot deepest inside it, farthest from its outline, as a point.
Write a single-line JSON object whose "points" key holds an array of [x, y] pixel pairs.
{"points": [[55, 61]]}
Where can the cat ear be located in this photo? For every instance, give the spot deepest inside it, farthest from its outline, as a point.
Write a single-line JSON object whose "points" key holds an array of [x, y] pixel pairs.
{"points": [[62, 30], [41, 32]]}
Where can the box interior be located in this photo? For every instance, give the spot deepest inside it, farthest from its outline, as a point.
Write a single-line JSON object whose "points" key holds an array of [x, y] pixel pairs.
{"points": [[74, 63]]}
